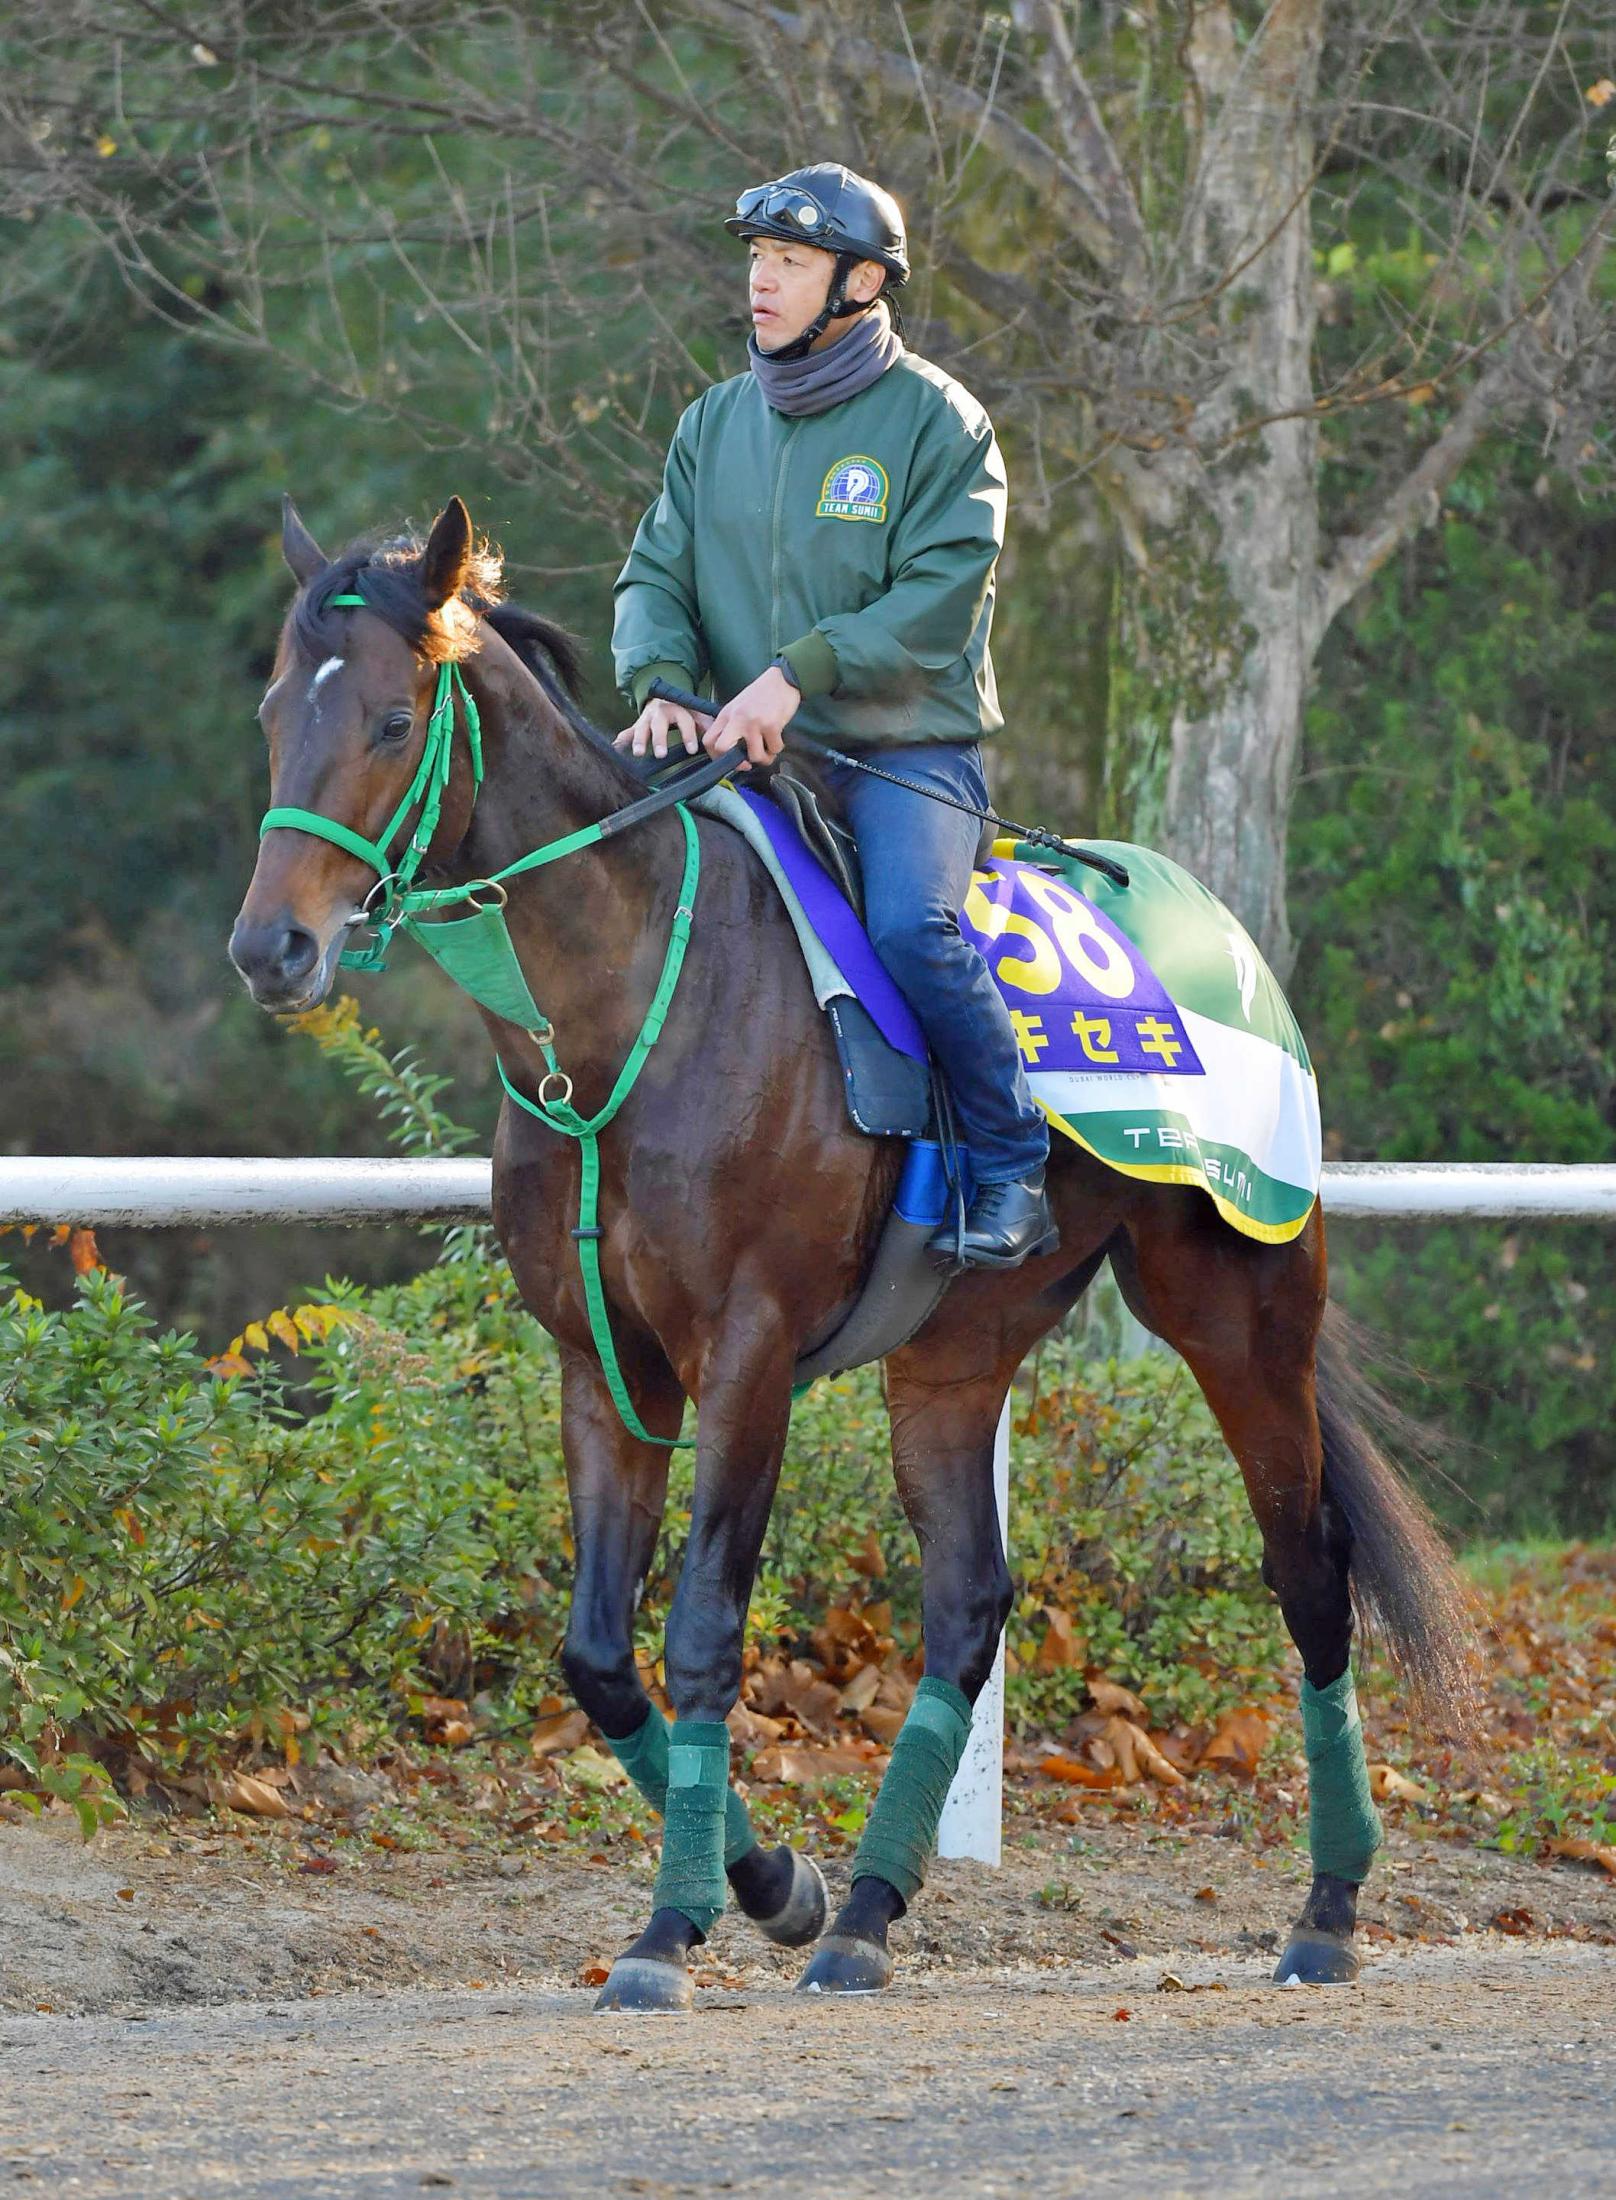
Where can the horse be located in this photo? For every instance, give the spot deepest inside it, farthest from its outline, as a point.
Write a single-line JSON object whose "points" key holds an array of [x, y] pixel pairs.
{"points": [[735, 1214]]}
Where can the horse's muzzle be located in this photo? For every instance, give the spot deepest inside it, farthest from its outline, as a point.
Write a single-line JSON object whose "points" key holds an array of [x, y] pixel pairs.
{"points": [[283, 964]]}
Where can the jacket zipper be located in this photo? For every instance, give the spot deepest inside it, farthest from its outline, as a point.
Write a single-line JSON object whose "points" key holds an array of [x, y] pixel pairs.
{"points": [[774, 540]]}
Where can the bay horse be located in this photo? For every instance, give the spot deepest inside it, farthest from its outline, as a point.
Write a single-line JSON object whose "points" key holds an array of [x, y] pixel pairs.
{"points": [[737, 1210]]}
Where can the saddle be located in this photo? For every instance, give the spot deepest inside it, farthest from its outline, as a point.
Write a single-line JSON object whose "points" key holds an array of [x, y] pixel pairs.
{"points": [[827, 839], [889, 1092]]}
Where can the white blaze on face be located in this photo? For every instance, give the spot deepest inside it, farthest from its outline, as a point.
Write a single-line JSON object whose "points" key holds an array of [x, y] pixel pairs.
{"points": [[331, 665]]}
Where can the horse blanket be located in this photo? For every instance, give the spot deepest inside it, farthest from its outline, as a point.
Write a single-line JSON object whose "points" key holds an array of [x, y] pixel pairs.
{"points": [[1151, 1030]]}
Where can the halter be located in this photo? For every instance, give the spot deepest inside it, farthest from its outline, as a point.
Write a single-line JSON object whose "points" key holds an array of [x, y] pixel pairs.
{"points": [[477, 953]]}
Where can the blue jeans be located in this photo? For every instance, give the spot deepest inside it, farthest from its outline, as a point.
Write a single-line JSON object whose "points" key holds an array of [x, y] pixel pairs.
{"points": [[917, 858]]}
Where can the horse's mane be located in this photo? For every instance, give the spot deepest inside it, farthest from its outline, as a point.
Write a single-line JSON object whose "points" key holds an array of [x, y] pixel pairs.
{"points": [[386, 571]]}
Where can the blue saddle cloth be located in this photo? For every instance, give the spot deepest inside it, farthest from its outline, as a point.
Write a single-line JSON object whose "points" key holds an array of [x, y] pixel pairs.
{"points": [[840, 931]]}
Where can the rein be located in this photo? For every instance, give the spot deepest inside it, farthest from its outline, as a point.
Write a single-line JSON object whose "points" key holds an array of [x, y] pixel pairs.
{"points": [[478, 954], [1038, 835]]}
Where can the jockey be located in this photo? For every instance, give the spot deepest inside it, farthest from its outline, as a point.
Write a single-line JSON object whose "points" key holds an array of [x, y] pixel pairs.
{"points": [[823, 550]]}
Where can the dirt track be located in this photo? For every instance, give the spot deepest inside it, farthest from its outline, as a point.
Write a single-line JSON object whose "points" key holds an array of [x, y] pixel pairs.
{"points": [[1453, 2070], [1468, 2061]]}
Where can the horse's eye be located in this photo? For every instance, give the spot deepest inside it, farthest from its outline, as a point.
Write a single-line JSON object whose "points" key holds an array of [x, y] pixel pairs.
{"points": [[396, 725]]}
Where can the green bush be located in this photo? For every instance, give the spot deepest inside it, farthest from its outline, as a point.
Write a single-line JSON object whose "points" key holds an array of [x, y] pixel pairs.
{"points": [[189, 1569]]}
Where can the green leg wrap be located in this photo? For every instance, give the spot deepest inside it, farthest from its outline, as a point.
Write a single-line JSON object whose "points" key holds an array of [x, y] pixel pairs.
{"points": [[901, 1831], [691, 1877], [644, 1757], [1343, 1824]]}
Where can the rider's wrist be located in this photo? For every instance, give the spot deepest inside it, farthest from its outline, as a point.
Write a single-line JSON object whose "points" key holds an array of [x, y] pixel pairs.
{"points": [[812, 662], [665, 670]]}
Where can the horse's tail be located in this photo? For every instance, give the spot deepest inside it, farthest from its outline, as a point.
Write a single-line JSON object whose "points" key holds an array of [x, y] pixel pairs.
{"points": [[1405, 1586]]}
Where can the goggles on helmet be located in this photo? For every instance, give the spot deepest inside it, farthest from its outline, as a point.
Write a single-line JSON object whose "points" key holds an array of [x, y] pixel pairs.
{"points": [[786, 206]]}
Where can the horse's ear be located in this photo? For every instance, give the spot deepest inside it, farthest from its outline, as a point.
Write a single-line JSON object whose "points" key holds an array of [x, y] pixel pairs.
{"points": [[299, 548], [447, 554]]}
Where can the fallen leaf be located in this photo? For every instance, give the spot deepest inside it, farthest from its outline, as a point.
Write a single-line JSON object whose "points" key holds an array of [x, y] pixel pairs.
{"points": [[444, 1720], [860, 1691], [1516, 1921], [1062, 1646], [882, 1723], [1239, 1741], [1206, 1894], [126, 1894], [1111, 1696], [749, 1729], [594, 1769], [560, 1730], [1388, 1785], [1075, 1773], [1578, 1851], [870, 1560], [1184, 1745], [796, 1688], [318, 1865], [1482, 1799], [245, 1792], [594, 1974], [802, 1766], [1134, 1754]]}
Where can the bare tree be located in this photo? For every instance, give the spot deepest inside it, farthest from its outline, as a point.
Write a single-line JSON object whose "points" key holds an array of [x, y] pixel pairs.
{"points": [[497, 229]]}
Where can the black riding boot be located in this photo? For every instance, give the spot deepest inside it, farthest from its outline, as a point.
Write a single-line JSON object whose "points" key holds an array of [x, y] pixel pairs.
{"points": [[1007, 1224]]}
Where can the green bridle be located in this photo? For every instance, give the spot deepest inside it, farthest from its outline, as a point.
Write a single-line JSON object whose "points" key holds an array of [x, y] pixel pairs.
{"points": [[477, 953]]}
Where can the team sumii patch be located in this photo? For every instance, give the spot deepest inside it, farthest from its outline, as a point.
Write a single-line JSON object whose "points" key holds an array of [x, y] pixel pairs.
{"points": [[855, 488]]}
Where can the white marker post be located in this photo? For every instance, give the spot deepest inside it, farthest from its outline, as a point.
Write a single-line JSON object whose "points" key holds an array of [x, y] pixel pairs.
{"points": [[972, 1823]]}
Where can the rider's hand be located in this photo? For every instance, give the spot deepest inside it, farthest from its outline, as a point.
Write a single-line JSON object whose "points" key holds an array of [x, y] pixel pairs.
{"points": [[653, 726], [755, 719]]}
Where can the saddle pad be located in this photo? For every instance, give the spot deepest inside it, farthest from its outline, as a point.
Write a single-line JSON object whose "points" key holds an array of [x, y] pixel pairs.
{"points": [[1151, 1030], [838, 928]]}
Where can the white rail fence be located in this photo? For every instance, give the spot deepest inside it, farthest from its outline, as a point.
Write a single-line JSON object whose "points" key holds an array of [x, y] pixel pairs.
{"points": [[163, 1193], [160, 1193]]}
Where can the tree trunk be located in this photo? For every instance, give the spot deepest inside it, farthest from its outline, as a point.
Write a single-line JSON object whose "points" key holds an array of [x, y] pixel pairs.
{"points": [[1217, 619]]}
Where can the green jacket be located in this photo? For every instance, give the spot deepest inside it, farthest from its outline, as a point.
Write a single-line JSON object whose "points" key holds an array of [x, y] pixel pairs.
{"points": [[859, 542]]}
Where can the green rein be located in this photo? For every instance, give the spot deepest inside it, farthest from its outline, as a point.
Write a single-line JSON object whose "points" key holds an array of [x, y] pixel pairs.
{"points": [[477, 953]]}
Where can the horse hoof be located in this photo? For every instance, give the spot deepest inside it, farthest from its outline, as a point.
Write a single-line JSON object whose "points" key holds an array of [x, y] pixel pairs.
{"points": [[639, 1983], [801, 1917], [843, 1965], [1317, 1958]]}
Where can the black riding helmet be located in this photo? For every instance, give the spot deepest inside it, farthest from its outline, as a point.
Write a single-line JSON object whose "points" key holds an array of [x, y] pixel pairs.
{"points": [[828, 206]]}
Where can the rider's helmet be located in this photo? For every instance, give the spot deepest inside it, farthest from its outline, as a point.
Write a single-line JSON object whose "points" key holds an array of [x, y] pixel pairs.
{"points": [[828, 206]]}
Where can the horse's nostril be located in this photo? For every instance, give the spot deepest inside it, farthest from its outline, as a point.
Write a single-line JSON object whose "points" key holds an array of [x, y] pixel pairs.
{"points": [[296, 955]]}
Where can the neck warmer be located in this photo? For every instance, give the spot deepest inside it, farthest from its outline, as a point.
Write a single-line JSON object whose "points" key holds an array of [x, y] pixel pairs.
{"points": [[821, 379]]}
